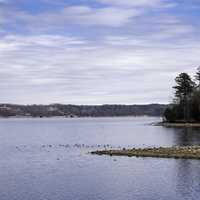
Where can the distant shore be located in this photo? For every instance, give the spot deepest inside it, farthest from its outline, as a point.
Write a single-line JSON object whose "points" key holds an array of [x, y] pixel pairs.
{"points": [[76, 117], [182, 152], [73, 111]]}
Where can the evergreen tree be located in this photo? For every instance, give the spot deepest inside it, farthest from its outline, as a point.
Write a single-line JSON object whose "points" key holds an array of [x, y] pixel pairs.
{"points": [[184, 86], [170, 114], [183, 90], [186, 105], [197, 76]]}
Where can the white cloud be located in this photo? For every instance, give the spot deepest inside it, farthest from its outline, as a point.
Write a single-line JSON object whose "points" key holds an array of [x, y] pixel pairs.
{"points": [[132, 2], [112, 14], [67, 16], [80, 72], [105, 16], [124, 41], [82, 15], [171, 31], [11, 41], [124, 54], [140, 3]]}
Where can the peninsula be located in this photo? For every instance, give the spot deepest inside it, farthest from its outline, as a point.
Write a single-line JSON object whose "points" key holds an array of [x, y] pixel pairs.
{"points": [[184, 152]]}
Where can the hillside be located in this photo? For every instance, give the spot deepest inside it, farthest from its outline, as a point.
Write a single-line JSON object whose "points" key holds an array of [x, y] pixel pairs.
{"points": [[54, 110]]}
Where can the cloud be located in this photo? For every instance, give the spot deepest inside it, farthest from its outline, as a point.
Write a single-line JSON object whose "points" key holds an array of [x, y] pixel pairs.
{"points": [[113, 14], [139, 3], [39, 69], [94, 53], [171, 31], [68, 16], [108, 16], [131, 2]]}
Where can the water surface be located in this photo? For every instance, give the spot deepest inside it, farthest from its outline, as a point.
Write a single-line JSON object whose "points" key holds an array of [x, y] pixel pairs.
{"points": [[48, 159]]}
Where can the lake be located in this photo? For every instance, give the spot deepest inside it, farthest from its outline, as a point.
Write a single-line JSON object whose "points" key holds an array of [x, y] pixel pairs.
{"points": [[48, 159]]}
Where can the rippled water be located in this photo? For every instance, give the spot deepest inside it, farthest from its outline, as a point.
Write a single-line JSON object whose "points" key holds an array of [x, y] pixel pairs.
{"points": [[48, 159]]}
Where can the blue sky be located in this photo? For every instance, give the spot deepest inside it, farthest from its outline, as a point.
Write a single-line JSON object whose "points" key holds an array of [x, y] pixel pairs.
{"points": [[96, 51]]}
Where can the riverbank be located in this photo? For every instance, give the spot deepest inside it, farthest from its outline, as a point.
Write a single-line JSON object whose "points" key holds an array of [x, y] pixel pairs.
{"points": [[183, 152], [184, 125]]}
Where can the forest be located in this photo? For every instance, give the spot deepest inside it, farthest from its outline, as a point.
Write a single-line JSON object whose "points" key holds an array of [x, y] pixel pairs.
{"points": [[186, 102], [60, 110]]}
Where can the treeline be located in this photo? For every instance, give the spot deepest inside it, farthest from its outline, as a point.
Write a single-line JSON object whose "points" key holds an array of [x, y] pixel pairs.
{"points": [[56, 110], [186, 102]]}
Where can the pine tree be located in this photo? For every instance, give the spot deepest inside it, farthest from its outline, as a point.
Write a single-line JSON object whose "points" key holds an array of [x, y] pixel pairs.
{"points": [[197, 76], [183, 89]]}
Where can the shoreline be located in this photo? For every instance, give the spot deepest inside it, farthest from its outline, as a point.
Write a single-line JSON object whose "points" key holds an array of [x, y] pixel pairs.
{"points": [[184, 125], [77, 117], [176, 152]]}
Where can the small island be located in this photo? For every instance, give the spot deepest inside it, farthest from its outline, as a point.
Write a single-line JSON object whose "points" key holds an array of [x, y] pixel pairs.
{"points": [[184, 152]]}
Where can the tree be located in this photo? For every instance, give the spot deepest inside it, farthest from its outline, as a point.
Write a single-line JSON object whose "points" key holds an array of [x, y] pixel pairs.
{"points": [[195, 105], [170, 115], [197, 76], [183, 89]]}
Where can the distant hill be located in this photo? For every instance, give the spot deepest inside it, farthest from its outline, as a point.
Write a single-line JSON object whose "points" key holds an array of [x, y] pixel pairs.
{"points": [[56, 110]]}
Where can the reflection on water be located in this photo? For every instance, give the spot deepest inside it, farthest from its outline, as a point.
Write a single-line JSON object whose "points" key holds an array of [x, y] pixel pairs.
{"points": [[187, 136], [48, 159]]}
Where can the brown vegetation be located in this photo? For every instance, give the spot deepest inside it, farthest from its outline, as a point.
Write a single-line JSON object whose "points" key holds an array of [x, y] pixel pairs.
{"points": [[185, 152]]}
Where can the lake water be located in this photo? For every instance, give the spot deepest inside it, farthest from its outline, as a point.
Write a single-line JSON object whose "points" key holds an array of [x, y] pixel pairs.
{"points": [[48, 159]]}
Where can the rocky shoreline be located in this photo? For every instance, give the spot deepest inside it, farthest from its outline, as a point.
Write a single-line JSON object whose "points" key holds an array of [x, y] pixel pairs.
{"points": [[182, 152]]}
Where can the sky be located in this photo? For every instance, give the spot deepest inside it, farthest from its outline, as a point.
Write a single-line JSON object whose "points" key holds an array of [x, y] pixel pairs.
{"points": [[96, 51]]}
